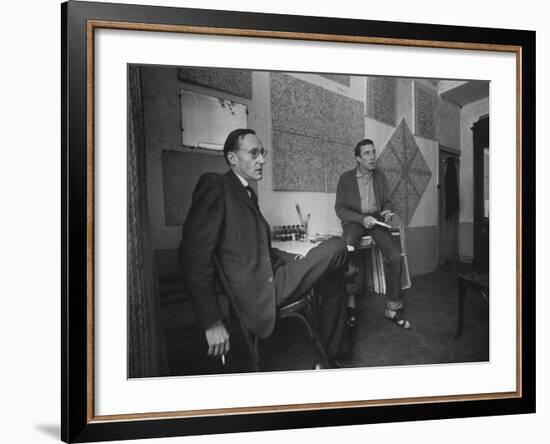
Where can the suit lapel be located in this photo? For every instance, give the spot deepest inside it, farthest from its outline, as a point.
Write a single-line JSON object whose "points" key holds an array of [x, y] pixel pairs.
{"points": [[242, 191], [239, 187]]}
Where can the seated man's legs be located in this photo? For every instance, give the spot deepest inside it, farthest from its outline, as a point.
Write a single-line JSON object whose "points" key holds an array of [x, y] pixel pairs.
{"points": [[333, 315], [352, 233], [323, 269], [392, 261]]}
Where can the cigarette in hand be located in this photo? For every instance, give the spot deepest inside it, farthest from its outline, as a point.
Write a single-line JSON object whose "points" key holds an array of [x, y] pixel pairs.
{"points": [[223, 359]]}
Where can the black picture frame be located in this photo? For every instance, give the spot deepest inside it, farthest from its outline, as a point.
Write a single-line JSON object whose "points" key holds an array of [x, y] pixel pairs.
{"points": [[78, 423]]}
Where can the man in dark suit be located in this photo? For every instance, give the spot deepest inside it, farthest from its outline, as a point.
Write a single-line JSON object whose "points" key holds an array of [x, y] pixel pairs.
{"points": [[362, 199], [225, 220]]}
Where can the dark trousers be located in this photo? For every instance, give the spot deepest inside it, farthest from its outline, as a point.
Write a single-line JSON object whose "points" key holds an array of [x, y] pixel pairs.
{"points": [[390, 252], [322, 269]]}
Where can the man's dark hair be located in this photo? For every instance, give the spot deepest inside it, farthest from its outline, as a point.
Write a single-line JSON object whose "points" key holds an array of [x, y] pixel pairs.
{"points": [[233, 141], [363, 142]]}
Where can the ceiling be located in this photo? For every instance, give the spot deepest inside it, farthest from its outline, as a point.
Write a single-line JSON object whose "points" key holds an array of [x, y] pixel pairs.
{"points": [[463, 92]]}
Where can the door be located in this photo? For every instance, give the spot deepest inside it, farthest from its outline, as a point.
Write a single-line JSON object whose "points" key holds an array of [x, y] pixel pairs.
{"points": [[480, 131], [449, 205]]}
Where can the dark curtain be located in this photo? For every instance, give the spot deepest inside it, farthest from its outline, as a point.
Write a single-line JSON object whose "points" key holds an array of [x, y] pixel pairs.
{"points": [[451, 189], [146, 344]]}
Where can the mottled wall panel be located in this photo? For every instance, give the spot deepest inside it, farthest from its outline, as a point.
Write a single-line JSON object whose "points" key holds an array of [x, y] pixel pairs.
{"points": [[338, 78], [339, 159], [449, 124], [233, 81], [299, 163], [290, 112], [347, 124], [382, 99], [300, 107], [308, 164], [314, 131], [425, 111]]}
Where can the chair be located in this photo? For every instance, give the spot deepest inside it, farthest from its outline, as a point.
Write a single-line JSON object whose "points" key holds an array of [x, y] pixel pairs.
{"points": [[304, 309], [478, 281], [377, 261]]}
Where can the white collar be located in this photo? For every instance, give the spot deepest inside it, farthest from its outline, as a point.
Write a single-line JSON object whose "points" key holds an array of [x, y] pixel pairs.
{"points": [[359, 173], [242, 179]]}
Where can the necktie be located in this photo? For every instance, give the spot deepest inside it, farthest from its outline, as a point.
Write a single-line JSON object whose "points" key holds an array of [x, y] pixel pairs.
{"points": [[253, 195], [254, 198]]}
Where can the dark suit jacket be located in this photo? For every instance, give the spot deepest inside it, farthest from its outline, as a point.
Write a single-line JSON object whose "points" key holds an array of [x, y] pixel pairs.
{"points": [[223, 220], [348, 199]]}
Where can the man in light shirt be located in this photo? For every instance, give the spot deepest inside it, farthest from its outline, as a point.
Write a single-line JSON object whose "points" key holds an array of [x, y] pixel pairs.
{"points": [[362, 199]]}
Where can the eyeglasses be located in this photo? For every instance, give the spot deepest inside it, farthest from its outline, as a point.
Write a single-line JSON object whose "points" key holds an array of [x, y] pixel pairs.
{"points": [[255, 152]]}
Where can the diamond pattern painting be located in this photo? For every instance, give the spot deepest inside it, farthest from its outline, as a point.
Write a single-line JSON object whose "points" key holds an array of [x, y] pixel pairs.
{"points": [[406, 169]]}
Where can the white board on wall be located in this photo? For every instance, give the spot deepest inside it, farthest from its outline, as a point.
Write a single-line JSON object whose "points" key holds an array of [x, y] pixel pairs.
{"points": [[206, 121]]}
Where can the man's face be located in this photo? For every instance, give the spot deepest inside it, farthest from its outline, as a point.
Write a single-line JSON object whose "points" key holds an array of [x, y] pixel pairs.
{"points": [[248, 160], [367, 157]]}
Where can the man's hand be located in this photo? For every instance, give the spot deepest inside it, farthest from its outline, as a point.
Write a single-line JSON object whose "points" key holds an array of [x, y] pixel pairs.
{"points": [[218, 340], [368, 222], [387, 215]]}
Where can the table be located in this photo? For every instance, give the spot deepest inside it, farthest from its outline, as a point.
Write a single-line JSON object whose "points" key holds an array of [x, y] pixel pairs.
{"points": [[478, 281], [295, 247]]}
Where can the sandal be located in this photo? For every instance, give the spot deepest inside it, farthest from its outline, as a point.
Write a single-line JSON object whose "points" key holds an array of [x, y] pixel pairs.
{"points": [[399, 321], [351, 317]]}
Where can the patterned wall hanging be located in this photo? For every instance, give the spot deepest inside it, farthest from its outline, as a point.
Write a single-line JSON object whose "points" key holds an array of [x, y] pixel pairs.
{"points": [[425, 111], [407, 172], [382, 99]]}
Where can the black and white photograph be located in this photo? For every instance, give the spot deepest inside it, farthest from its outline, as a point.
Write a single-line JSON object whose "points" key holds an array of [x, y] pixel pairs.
{"points": [[284, 221], [279, 221], [274, 222]]}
